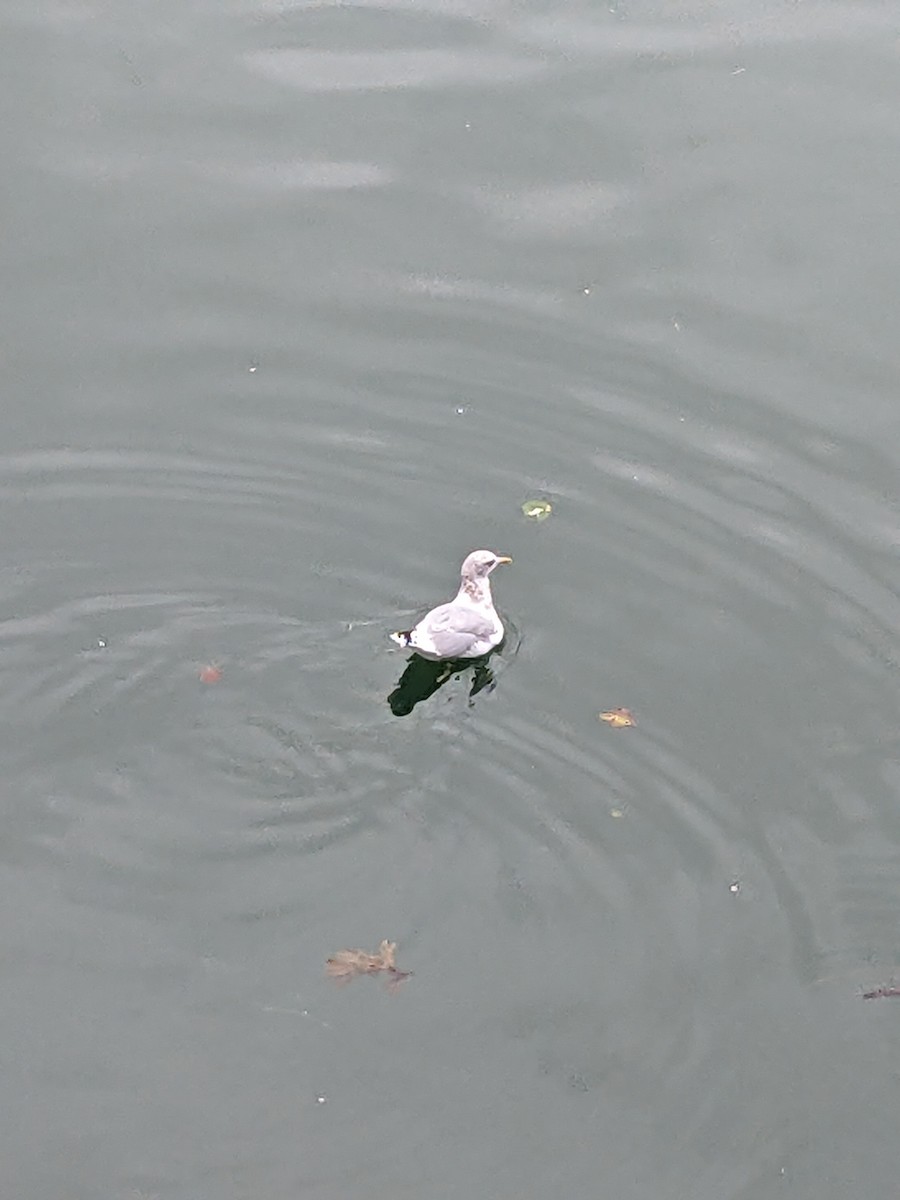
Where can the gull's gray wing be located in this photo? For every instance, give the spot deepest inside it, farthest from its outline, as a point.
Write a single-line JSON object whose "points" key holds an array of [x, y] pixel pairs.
{"points": [[454, 629]]}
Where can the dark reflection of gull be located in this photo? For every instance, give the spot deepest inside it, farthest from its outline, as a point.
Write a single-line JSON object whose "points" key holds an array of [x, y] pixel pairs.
{"points": [[423, 677]]}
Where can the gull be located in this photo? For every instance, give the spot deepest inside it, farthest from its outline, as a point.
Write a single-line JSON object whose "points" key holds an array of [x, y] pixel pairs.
{"points": [[466, 627]]}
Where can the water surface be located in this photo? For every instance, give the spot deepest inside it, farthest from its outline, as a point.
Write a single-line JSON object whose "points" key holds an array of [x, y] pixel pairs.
{"points": [[302, 303]]}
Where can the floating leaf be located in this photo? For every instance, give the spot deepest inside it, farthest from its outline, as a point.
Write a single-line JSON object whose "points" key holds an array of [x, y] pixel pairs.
{"points": [[877, 993], [344, 965], [618, 718], [537, 510]]}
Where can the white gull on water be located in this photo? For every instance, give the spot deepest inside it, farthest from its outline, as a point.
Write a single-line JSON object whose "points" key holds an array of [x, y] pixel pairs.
{"points": [[466, 627]]}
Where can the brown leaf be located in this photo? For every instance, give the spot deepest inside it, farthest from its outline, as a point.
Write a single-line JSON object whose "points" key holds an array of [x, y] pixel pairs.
{"points": [[345, 964]]}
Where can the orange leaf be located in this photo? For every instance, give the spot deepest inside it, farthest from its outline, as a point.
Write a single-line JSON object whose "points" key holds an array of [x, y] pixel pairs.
{"points": [[618, 718]]}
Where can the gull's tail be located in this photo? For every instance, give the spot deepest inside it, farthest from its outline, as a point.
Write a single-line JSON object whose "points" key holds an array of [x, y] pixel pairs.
{"points": [[402, 639]]}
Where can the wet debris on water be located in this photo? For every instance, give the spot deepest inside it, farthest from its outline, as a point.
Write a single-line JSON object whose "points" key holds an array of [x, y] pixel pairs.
{"points": [[877, 993], [210, 673], [618, 718], [537, 510], [346, 964]]}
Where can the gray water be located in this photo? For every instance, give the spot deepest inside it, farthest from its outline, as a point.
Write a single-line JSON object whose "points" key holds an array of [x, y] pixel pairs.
{"points": [[300, 304]]}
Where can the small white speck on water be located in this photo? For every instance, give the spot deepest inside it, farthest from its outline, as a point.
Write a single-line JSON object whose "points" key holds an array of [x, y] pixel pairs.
{"points": [[468, 124], [462, 409], [101, 643], [734, 887], [739, 70], [586, 291], [254, 366], [321, 1099]]}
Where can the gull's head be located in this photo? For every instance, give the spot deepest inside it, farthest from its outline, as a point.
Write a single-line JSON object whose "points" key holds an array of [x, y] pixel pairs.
{"points": [[480, 563]]}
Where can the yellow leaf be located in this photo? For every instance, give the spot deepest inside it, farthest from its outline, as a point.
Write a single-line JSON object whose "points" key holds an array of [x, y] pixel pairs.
{"points": [[537, 510]]}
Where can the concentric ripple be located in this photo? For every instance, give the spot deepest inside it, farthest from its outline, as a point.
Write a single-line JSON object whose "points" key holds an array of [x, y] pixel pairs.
{"points": [[305, 301]]}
